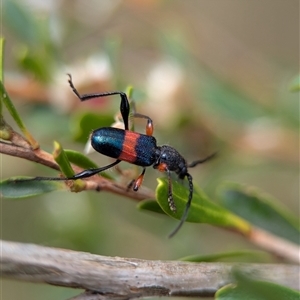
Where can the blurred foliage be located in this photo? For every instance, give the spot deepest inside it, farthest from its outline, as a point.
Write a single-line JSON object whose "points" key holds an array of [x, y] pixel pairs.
{"points": [[261, 210], [11, 188], [36, 53], [83, 122], [295, 84], [236, 256], [253, 289], [209, 79]]}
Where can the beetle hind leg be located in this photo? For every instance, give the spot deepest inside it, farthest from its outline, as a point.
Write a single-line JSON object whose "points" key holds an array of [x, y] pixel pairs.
{"points": [[124, 105]]}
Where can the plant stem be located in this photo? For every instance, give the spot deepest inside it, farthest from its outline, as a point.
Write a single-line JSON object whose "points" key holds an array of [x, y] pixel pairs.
{"points": [[263, 239], [124, 278]]}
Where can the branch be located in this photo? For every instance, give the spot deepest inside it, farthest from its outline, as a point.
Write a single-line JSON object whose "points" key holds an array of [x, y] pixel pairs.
{"points": [[275, 245], [96, 183], [38, 156], [265, 240], [124, 278]]}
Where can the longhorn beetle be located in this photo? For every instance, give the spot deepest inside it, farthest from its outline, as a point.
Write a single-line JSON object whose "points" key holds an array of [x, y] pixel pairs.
{"points": [[138, 149]]}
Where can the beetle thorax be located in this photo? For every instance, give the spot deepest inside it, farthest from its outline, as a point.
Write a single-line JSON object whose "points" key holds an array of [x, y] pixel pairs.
{"points": [[171, 160]]}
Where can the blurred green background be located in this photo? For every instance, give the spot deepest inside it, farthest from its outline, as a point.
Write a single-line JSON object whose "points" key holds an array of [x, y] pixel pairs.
{"points": [[213, 76]]}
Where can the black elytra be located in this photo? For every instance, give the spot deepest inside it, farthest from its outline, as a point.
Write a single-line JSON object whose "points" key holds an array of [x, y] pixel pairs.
{"points": [[136, 148]]}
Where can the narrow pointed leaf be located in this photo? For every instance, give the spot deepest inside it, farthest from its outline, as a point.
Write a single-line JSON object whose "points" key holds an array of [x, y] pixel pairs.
{"points": [[202, 210], [129, 91], [62, 160], [84, 123], [9, 188], [4, 97], [244, 255], [260, 209], [79, 159]]}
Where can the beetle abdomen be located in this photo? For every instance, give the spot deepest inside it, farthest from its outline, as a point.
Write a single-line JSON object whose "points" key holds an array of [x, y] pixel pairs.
{"points": [[133, 147]]}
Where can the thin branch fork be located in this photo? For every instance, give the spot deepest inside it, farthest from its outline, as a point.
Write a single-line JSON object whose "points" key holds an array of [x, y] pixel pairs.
{"points": [[124, 278]]}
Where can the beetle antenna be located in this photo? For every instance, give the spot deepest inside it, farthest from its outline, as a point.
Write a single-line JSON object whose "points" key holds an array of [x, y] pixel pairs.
{"points": [[201, 161]]}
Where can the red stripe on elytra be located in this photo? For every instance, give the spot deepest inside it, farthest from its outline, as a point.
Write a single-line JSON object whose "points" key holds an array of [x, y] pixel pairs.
{"points": [[128, 150]]}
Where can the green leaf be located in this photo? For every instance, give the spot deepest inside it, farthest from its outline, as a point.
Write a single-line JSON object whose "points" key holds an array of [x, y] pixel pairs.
{"points": [[79, 159], [21, 21], [4, 97], [84, 123], [202, 210], [259, 290], [260, 209], [150, 205], [295, 84], [227, 101], [62, 160], [2, 43], [174, 47], [84, 162], [12, 188], [250, 289], [129, 91], [244, 256], [112, 48], [33, 62]]}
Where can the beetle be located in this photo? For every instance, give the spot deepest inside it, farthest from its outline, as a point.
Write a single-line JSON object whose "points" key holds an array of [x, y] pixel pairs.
{"points": [[138, 149]]}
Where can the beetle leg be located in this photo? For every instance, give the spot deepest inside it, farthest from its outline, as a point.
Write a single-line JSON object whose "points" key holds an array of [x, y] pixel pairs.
{"points": [[83, 174], [171, 202], [149, 125], [91, 172], [138, 182], [124, 106]]}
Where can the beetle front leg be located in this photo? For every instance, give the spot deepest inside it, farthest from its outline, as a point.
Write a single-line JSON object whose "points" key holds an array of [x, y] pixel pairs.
{"points": [[171, 202]]}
